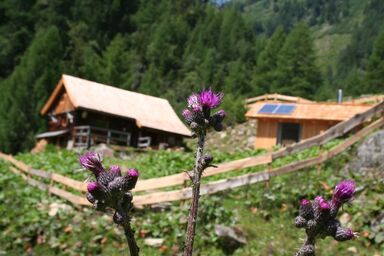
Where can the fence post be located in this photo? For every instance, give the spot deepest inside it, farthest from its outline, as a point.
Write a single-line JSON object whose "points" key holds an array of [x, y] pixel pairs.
{"points": [[108, 137], [185, 185], [319, 165], [269, 167]]}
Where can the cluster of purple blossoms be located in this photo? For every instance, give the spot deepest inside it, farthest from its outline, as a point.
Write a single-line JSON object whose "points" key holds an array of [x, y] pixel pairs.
{"points": [[319, 218], [198, 114], [111, 189]]}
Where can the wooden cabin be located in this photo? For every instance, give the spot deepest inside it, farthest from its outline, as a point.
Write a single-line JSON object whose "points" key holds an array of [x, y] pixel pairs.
{"points": [[290, 120], [83, 113]]}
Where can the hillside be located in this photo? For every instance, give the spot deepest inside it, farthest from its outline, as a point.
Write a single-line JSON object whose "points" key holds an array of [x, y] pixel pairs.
{"points": [[170, 48]]}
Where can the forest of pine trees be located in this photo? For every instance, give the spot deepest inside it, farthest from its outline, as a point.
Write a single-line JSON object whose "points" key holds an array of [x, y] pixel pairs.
{"points": [[172, 47]]}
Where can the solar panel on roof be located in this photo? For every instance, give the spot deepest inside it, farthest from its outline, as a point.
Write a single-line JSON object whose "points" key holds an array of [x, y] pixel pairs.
{"points": [[268, 108], [284, 109], [278, 109]]}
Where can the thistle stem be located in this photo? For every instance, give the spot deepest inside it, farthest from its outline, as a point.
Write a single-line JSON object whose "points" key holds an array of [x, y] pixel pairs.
{"points": [[192, 218], [133, 248]]}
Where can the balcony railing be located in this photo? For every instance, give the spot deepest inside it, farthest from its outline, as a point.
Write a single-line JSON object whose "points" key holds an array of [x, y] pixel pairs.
{"points": [[86, 136]]}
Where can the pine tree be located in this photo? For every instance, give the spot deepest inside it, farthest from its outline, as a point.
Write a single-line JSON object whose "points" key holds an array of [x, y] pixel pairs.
{"points": [[297, 69], [26, 90], [375, 70], [265, 76]]}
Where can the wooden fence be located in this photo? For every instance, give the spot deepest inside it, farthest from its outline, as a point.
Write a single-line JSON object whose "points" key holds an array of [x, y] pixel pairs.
{"points": [[149, 186]]}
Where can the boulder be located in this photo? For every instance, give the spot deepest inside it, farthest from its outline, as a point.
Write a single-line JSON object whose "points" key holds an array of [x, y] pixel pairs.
{"points": [[230, 238], [369, 158], [104, 150], [154, 242]]}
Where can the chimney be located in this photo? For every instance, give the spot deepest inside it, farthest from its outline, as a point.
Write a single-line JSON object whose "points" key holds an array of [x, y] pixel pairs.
{"points": [[340, 96]]}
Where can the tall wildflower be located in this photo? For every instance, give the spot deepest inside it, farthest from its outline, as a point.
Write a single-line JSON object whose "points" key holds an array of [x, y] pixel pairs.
{"points": [[319, 218], [200, 118], [112, 190]]}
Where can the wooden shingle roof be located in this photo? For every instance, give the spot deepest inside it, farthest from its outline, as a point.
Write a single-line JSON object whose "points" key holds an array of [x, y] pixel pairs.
{"points": [[310, 111], [148, 111]]}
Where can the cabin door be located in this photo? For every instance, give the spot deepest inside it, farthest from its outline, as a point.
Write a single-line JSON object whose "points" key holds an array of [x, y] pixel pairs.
{"points": [[288, 133]]}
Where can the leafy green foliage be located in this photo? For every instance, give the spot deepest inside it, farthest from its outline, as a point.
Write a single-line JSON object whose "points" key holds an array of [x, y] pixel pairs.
{"points": [[264, 212]]}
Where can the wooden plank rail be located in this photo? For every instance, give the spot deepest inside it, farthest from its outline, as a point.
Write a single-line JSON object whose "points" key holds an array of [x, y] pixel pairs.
{"points": [[77, 185], [333, 132], [252, 178], [68, 196], [178, 179], [220, 185]]}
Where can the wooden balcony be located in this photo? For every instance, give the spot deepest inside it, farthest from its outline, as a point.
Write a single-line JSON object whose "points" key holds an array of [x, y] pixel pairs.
{"points": [[86, 136]]}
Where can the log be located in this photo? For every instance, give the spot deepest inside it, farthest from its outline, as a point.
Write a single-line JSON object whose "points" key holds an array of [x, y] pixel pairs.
{"points": [[78, 200], [77, 185], [333, 132], [252, 178]]}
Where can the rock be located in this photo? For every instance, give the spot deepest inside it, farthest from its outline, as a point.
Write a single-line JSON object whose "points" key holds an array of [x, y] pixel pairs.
{"points": [[370, 155], [161, 207], [345, 218], [154, 242], [231, 238], [104, 150], [352, 249], [251, 141], [55, 207], [40, 146]]}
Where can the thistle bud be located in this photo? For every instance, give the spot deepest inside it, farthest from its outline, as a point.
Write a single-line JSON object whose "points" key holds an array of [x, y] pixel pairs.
{"points": [[306, 209], [207, 159], [343, 192], [218, 127], [115, 171], [300, 222], [92, 162], [118, 218], [130, 179], [188, 116], [306, 250], [193, 125], [344, 234], [322, 204], [97, 190]]}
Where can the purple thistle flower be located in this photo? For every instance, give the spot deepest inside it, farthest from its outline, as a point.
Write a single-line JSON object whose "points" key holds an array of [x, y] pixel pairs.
{"points": [[210, 99], [115, 170], [221, 113], [91, 187], [304, 202], [322, 204], [133, 172], [187, 114], [97, 190], [194, 102], [130, 179], [343, 192], [92, 161]]}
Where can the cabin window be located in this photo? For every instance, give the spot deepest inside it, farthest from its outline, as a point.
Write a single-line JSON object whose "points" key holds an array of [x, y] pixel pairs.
{"points": [[288, 133]]}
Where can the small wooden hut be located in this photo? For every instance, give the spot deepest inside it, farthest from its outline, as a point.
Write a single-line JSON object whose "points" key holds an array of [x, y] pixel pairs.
{"points": [[83, 113], [283, 122]]}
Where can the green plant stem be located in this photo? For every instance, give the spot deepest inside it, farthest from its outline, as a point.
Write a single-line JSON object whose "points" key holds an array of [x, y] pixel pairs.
{"points": [[192, 218], [133, 248]]}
